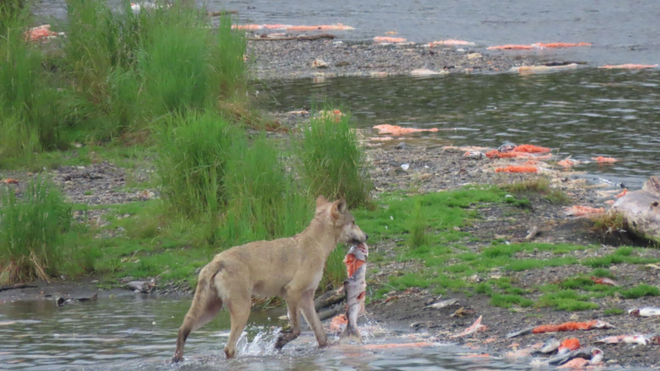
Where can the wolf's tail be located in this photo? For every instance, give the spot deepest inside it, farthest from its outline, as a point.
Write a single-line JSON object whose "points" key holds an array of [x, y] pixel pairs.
{"points": [[351, 332]]}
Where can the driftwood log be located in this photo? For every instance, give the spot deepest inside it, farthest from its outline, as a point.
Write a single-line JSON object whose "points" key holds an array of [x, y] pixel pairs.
{"points": [[641, 210], [329, 298], [222, 12], [299, 38], [329, 313], [17, 287]]}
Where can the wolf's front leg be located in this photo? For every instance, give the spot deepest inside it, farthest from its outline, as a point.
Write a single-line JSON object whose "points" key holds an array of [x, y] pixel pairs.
{"points": [[286, 336]]}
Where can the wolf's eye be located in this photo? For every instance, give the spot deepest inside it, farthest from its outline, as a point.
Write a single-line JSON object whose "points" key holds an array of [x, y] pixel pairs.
{"points": [[353, 222]]}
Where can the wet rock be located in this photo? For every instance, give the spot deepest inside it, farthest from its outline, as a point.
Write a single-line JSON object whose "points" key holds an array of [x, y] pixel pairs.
{"points": [[401, 145], [319, 63], [141, 286], [641, 209], [424, 72]]}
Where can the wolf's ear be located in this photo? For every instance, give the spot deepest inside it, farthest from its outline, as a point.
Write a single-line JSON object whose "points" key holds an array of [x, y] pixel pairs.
{"points": [[338, 207], [320, 201], [341, 205]]}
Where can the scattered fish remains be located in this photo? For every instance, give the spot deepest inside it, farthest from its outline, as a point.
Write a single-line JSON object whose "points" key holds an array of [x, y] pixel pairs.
{"points": [[443, 304], [567, 326], [549, 346], [604, 281], [630, 339], [644, 312], [538, 46], [578, 358], [355, 287], [476, 327]]}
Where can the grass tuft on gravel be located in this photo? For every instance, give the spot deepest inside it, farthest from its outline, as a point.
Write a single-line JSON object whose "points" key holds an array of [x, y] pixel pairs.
{"points": [[32, 229], [331, 161]]}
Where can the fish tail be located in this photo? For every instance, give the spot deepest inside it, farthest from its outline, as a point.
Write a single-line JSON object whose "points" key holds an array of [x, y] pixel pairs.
{"points": [[519, 333], [351, 332]]}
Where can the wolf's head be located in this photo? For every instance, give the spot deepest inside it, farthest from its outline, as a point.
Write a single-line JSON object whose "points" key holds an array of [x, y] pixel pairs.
{"points": [[342, 220]]}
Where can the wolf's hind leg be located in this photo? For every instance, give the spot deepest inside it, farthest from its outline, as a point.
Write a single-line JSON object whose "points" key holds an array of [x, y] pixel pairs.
{"points": [[205, 306]]}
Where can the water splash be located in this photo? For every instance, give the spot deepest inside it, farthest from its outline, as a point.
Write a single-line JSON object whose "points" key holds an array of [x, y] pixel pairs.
{"points": [[262, 344]]}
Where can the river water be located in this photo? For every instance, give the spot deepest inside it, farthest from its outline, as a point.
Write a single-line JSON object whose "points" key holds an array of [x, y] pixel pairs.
{"points": [[139, 334], [622, 31]]}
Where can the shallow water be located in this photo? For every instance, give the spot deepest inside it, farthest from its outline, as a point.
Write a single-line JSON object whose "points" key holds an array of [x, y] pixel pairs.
{"points": [[585, 114], [139, 334], [622, 31]]}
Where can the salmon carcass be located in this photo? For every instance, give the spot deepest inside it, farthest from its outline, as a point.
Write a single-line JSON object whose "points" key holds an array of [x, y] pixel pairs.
{"points": [[476, 327], [355, 288]]}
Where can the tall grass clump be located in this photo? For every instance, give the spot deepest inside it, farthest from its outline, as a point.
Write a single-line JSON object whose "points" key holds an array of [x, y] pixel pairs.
{"points": [[129, 69], [417, 226], [31, 231], [229, 73], [28, 113], [264, 202], [335, 269], [331, 160], [9, 10], [175, 62], [193, 152]]}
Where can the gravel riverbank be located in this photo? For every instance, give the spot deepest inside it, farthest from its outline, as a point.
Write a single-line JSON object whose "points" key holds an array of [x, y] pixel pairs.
{"points": [[283, 59]]}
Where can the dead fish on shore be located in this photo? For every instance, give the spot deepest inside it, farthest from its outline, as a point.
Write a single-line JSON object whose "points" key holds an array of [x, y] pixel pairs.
{"points": [[604, 281], [591, 356], [355, 287], [629, 339], [549, 346], [476, 327], [644, 312], [566, 326], [141, 286], [443, 304]]}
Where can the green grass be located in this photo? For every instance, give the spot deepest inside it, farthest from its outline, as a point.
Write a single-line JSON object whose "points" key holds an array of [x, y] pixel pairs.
{"points": [[540, 185], [335, 270], [640, 291], [113, 75], [32, 228], [29, 120], [193, 152], [568, 300], [264, 201], [417, 235], [331, 162], [537, 185], [613, 312], [448, 266], [614, 259], [601, 272], [507, 301]]}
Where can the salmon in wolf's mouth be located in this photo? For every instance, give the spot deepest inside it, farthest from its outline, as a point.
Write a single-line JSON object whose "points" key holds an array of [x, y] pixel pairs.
{"points": [[355, 287]]}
